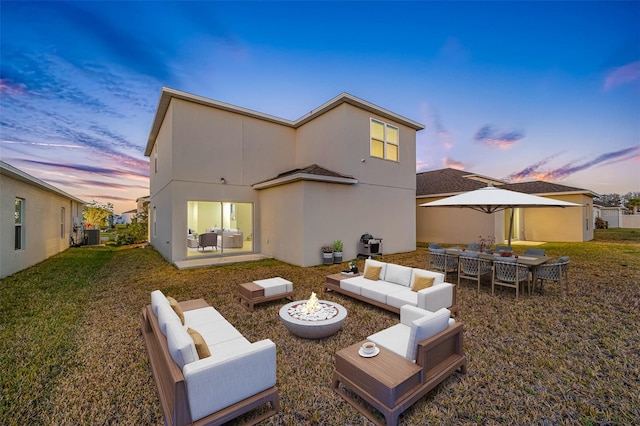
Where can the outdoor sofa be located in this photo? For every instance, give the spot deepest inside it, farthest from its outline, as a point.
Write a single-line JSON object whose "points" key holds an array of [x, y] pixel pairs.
{"points": [[394, 287], [236, 377]]}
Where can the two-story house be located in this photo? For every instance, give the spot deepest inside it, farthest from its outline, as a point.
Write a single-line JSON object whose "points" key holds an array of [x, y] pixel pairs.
{"points": [[277, 187]]}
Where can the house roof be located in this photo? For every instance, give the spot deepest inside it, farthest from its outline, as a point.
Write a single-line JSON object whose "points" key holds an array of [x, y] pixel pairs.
{"points": [[167, 94], [8, 170], [309, 173], [445, 182]]}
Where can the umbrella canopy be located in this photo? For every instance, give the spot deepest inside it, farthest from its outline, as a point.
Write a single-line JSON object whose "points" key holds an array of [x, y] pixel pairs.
{"points": [[492, 199]]}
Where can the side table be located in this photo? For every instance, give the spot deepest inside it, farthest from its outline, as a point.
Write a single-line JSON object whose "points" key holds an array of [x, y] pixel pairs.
{"points": [[387, 381]]}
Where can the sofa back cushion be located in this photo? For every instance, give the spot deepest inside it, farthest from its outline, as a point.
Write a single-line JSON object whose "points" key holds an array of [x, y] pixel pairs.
{"points": [[398, 274], [438, 277], [181, 346], [427, 326], [166, 315], [382, 265], [157, 298]]}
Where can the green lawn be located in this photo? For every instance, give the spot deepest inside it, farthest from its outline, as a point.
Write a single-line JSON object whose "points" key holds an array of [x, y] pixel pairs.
{"points": [[71, 351]]}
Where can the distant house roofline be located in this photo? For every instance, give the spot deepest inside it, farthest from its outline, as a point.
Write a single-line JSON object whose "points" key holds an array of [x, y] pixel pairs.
{"points": [[311, 173], [167, 94], [15, 173]]}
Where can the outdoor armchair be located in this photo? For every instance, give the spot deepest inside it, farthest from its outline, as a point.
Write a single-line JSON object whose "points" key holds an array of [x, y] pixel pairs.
{"points": [[535, 251], [439, 260], [509, 273], [472, 267], [557, 272]]}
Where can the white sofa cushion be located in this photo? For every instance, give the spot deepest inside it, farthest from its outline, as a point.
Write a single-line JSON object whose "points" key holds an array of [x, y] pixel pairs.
{"points": [[166, 314], [439, 278], [218, 332], [181, 346], [398, 274], [382, 265], [394, 338], [355, 284], [158, 298], [403, 296], [274, 286], [201, 316], [427, 326], [379, 290]]}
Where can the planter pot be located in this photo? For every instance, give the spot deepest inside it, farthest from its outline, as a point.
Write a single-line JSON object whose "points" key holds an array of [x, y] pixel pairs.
{"points": [[327, 258], [337, 257]]}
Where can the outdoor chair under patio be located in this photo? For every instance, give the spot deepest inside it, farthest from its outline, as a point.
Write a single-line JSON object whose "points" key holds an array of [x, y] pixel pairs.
{"points": [[507, 272], [503, 248], [472, 267], [557, 272], [535, 251], [440, 261], [474, 246]]}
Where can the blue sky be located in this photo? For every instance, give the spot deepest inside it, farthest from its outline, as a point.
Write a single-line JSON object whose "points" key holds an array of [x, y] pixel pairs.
{"points": [[513, 90]]}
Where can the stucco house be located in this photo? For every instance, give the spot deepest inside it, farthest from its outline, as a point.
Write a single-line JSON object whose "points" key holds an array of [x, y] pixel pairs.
{"points": [[36, 220], [277, 187], [462, 226]]}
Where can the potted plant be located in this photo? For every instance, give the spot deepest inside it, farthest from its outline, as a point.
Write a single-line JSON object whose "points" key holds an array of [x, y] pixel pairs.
{"points": [[327, 255], [337, 251]]}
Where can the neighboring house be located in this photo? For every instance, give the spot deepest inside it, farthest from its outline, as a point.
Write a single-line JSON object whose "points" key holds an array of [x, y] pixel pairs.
{"points": [[277, 187], [36, 220], [127, 217], [462, 226]]}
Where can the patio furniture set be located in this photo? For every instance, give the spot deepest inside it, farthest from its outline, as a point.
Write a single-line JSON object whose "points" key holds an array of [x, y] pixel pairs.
{"points": [[506, 268], [193, 349]]}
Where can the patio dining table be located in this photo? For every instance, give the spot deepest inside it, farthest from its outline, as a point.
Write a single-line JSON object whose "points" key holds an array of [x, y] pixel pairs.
{"points": [[532, 261]]}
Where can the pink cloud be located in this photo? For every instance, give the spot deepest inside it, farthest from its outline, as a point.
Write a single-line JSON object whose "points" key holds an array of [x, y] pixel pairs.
{"points": [[622, 75], [449, 162]]}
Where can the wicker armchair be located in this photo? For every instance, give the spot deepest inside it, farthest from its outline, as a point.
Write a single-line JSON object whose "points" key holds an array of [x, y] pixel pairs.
{"points": [[439, 260], [472, 267], [510, 273], [535, 251], [557, 272]]}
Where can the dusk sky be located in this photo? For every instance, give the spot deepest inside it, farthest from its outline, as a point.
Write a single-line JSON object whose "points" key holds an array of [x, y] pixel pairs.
{"points": [[511, 90]]}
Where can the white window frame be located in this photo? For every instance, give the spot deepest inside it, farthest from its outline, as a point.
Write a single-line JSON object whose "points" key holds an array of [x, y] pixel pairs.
{"points": [[62, 217], [385, 141], [19, 224]]}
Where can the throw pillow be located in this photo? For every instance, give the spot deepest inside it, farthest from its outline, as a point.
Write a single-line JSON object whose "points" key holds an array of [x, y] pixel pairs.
{"points": [[372, 272], [176, 308], [201, 345], [421, 282]]}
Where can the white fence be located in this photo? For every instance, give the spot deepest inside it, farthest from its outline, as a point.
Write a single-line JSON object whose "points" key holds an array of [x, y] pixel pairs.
{"points": [[630, 221]]}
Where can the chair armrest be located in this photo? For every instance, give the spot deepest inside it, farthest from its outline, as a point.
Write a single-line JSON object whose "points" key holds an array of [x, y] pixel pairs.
{"points": [[436, 297], [216, 383], [409, 313]]}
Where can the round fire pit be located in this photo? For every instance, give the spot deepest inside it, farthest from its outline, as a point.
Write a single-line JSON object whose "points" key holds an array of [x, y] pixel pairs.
{"points": [[316, 324]]}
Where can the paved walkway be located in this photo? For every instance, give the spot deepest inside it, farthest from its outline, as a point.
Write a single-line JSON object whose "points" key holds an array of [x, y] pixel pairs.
{"points": [[215, 261]]}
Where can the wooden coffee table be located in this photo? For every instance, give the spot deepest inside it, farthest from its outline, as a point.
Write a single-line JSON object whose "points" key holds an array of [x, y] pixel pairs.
{"points": [[387, 381]]}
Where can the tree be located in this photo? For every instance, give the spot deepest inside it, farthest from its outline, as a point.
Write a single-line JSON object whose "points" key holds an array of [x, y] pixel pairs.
{"points": [[633, 204], [610, 199], [96, 214]]}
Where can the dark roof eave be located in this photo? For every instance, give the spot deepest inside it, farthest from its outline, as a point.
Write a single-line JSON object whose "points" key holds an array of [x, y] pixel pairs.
{"points": [[304, 177]]}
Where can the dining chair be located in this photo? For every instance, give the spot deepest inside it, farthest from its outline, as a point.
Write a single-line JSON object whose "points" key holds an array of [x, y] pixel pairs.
{"points": [[474, 246], [535, 251], [507, 272], [472, 267], [503, 248], [557, 272], [439, 260]]}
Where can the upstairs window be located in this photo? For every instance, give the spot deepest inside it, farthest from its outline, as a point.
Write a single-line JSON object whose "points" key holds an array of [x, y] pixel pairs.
{"points": [[384, 140]]}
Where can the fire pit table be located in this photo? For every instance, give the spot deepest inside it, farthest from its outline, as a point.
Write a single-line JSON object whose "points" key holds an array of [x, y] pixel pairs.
{"points": [[313, 318]]}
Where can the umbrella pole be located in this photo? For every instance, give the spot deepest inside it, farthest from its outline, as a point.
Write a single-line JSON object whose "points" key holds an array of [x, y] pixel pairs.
{"points": [[511, 226]]}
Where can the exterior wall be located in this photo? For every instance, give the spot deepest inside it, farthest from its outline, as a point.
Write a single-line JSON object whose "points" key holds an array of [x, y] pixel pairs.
{"points": [[456, 226], [299, 218], [570, 224], [340, 139], [42, 220]]}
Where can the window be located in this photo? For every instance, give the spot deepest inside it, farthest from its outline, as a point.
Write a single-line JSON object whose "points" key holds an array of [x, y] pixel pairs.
{"points": [[19, 223], [384, 140], [62, 222]]}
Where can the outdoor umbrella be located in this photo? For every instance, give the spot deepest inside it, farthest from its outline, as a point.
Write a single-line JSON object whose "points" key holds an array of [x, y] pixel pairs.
{"points": [[492, 199]]}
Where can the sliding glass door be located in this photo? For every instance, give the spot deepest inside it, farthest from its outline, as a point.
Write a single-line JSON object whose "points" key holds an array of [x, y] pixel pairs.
{"points": [[219, 228]]}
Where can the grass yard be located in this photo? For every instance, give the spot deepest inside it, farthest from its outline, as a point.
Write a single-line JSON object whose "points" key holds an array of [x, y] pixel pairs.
{"points": [[71, 350]]}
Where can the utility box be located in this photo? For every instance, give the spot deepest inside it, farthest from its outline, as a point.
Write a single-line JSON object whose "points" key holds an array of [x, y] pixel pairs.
{"points": [[92, 237]]}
